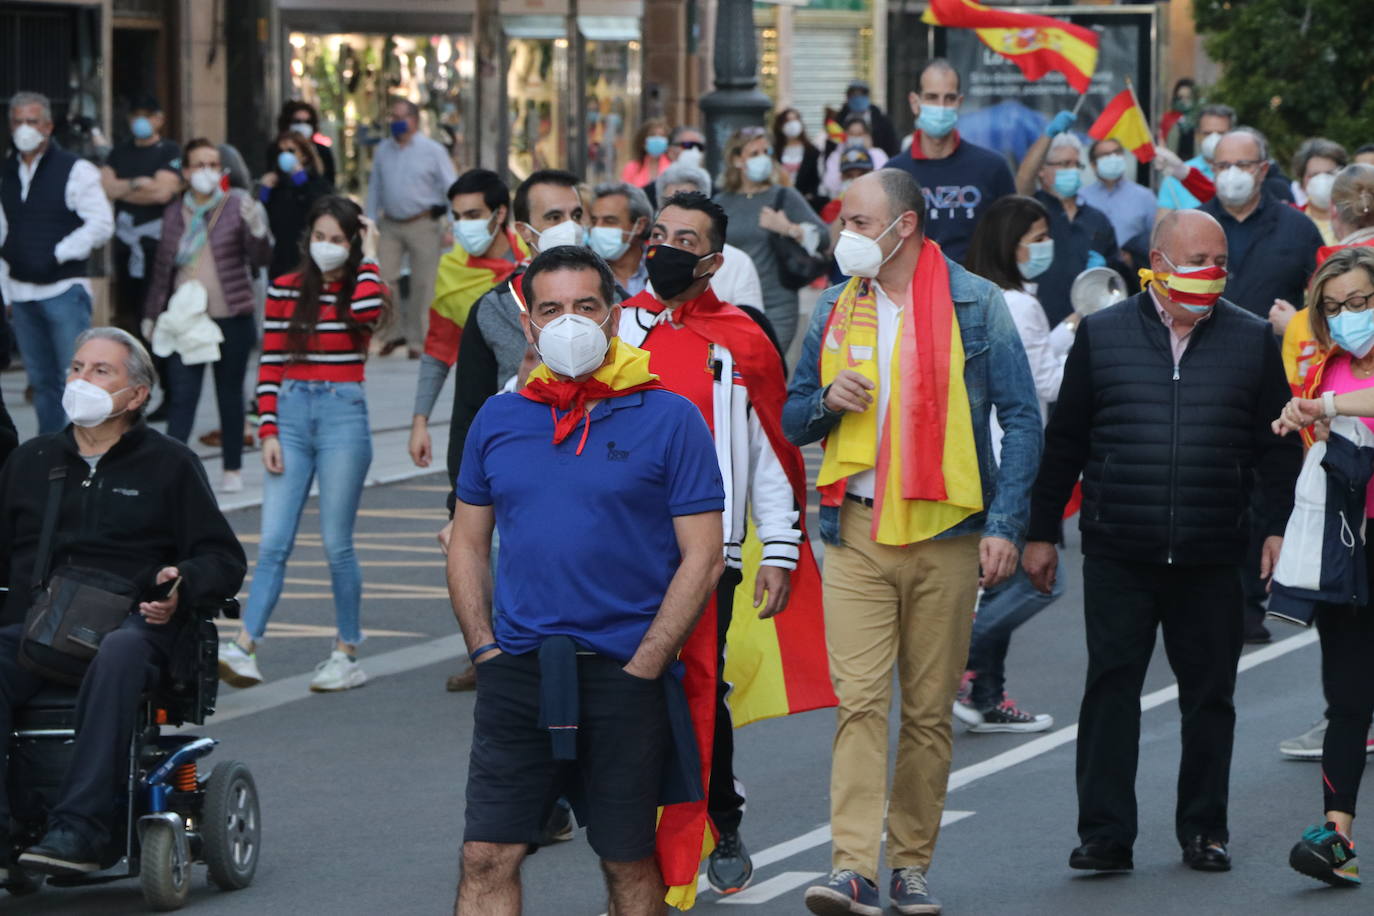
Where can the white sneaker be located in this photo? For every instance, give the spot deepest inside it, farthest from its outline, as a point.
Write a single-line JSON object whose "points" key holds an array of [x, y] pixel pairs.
{"points": [[238, 668], [231, 482], [338, 672]]}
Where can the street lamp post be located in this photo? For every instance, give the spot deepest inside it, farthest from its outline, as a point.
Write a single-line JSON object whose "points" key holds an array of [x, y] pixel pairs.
{"points": [[736, 101]]}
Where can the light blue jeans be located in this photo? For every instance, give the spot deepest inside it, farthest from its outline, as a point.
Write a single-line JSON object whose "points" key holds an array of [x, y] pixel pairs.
{"points": [[323, 430], [46, 329], [1002, 609]]}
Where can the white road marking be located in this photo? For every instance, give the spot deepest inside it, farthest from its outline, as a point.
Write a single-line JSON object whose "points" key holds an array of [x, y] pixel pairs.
{"points": [[773, 887]]}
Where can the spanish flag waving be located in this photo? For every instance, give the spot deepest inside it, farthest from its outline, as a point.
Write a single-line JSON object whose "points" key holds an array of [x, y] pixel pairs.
{"points": [[1036, 44], [1124, 122], [461, 281]]}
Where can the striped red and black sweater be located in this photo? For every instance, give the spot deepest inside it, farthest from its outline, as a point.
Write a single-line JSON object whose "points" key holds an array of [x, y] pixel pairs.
{"points": [[332, 353]]}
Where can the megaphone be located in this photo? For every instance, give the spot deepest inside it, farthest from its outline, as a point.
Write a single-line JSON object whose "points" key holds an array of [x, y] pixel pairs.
{"points": [[1095, 289]]}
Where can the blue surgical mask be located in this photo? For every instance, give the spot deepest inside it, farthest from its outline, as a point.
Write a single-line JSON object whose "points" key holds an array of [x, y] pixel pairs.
{"points": [[1353, 332], [399, 128], [859, 103], [287, 162], [656, 146], [475, 235], [936, 120], [759, 169], [1067, 182], [1041, 257], [608, 241], [141, 128], [1111, 166]]}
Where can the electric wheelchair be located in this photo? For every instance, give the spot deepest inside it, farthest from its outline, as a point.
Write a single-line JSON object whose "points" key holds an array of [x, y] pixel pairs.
{"points": [[170, 815]]}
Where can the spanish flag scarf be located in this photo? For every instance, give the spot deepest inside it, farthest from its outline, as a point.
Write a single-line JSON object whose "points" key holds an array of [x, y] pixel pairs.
{"points": [[462, 280], [625, 371], [923, 450]]}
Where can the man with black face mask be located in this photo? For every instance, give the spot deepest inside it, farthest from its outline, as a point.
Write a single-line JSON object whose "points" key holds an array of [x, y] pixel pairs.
{"points": [[686, 330]]}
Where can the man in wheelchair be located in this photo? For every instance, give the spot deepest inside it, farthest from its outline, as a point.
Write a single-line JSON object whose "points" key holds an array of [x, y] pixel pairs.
{"points": [[135, 506]]}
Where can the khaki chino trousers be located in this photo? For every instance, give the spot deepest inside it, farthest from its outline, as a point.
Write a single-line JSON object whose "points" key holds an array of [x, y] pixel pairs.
{"points": [[911, 607], [421, 239]]}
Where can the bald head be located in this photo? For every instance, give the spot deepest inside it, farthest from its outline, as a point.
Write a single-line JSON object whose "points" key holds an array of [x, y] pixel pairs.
{"points": [[1238, 146], [1187, 238]]}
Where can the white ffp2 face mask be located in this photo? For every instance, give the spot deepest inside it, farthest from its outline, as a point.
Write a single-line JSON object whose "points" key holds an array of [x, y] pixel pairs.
{"points": [[87, 404], [568, 232], [860, 256], [205, 181], [27, 138], [328, 256], [1235, 185], [572, 345]]}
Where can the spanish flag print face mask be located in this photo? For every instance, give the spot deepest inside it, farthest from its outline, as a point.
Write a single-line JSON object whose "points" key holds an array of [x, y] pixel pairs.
{"points": [[1196, 289]]}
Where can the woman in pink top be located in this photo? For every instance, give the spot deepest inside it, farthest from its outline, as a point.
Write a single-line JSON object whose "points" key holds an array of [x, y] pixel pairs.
{"points": [[651, 154], [1340, 301]]}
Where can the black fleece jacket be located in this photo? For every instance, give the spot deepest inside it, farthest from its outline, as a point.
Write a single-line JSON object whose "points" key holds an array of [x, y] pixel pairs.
{"points": [[146, 505]]}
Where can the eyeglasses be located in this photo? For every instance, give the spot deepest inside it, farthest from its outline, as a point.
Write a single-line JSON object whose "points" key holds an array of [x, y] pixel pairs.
{"points": [[1244, 164], [1356, 303], [1068, 164], [690, 144]]}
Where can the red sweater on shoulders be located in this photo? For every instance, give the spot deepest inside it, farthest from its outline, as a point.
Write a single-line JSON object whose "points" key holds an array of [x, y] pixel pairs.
{"points": [[333, 353]]}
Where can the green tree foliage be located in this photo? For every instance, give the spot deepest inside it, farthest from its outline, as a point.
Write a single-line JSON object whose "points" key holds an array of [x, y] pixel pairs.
{"points": [[1294, 68]]}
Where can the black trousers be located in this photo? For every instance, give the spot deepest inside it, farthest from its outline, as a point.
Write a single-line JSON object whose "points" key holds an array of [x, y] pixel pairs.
{"points": [[725, 797], [240, 334], [1347, 639], [1200, 609], [129, 662]]}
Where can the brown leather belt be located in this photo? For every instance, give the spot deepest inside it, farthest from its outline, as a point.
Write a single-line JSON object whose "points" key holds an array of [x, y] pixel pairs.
{"points": [[865, 500]]}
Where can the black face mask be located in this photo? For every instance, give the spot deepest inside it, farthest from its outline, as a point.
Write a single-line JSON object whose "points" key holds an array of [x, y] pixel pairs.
{"points": [[672, 270]]}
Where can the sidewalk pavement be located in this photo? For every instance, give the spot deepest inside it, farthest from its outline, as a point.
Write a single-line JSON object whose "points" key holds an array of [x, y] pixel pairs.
{"points": [[390, 403]]}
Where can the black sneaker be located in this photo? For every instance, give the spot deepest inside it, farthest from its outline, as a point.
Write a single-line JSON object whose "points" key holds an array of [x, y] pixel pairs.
{"points": [[1008, 718], [1328, 855], [559, 827], [61, 852], [729, 869]]}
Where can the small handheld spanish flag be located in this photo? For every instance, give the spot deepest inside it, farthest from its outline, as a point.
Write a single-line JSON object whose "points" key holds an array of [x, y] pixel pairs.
{"points": [[1036, 44], [1124, 122], [834, 132]]}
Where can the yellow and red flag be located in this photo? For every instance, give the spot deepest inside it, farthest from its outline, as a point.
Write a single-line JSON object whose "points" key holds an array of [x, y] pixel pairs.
{"points": [[1036, 44], [833, 131], [1124, 122], [462, 280]]}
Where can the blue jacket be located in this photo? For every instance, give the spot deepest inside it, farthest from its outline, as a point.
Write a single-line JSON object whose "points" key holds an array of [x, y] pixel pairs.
{"points": [[996, 374]]}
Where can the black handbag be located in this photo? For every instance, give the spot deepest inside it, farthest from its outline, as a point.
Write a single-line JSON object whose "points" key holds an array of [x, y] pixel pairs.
{"points": [[796, 268], [71, 612]]}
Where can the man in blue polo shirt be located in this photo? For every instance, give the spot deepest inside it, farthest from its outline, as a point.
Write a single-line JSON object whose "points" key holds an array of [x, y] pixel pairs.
{"points": [[608, 497]]}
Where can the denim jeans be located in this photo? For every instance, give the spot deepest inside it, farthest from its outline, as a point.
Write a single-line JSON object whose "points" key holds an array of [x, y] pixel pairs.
{"points": [[323, 429], [1002, 609], [46, 331], [185, 382]]}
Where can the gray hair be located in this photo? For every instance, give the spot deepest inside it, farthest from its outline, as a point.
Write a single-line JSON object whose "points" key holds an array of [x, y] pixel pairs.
{"points": [[681, 129], [21, 99], [682, 173], [138, 364], [1314, 147], [639, 201], [1218, 111], [1069, 140], [1259, 141]]}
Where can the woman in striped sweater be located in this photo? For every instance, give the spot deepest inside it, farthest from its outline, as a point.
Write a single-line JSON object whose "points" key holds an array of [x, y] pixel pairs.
{"points": [[318, 323]]}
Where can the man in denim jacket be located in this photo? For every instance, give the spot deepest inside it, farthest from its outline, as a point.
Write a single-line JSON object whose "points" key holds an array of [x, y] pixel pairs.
{"points": [[902, 572]]}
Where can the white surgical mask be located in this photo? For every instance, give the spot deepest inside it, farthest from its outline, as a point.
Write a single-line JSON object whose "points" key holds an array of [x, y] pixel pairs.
{"points": [[1234, 186], [690, 158], [27, 138], [1319, 190], [568, 232], [205, 181], [860, 256], [572, 345], [792, 129], [759, 169], [609, 242], [303, 128], [87, 404], [1209, 146], [1111, 166], [1041, 257], [328, 256], [475, 235]]}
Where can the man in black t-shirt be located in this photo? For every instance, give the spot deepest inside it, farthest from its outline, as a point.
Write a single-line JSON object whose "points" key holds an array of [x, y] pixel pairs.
{"points": [[141, 176]]}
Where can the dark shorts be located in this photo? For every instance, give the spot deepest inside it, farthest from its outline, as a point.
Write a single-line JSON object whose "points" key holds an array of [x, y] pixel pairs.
{"points": [[614, 784]]}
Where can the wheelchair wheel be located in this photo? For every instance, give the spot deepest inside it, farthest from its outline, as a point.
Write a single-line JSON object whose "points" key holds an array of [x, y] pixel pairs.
{"points": [[166, 882], [231, 826]]}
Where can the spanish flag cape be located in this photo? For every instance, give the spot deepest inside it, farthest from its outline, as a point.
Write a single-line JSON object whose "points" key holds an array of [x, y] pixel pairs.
{"points": [[462, 280], [926, 463], [777, 666]]}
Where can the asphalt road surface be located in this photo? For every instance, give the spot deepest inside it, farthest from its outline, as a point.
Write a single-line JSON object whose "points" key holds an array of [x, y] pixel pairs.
{"points": [[362, 792]]}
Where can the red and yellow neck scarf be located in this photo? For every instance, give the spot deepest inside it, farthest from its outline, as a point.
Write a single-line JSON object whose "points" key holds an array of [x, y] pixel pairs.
{"points": [[625, 371], [462, 280], [923, 450]]}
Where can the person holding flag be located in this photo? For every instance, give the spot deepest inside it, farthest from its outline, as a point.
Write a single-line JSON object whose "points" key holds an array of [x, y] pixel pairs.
{"points": [[1119, 133], [684, 327], [610, 485], [899, 372]]}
